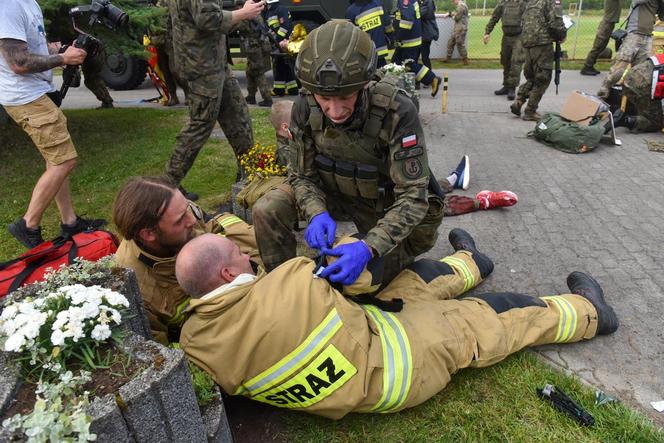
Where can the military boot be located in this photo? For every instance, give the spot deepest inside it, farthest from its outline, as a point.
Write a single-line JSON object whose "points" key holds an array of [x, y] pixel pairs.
{"points": [[462, 241], [502, 91], [464, 61], [516, 107], [250, 99], [531, 116], [589, 71], [511, 94], [588, 288], [622, 119]]}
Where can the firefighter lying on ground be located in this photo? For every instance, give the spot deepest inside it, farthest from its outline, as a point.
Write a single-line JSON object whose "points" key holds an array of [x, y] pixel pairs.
{"points": [[292, 340]]}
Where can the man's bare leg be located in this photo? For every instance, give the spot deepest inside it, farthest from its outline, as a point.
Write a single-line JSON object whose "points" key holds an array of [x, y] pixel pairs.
{"points": [[52, 185]]}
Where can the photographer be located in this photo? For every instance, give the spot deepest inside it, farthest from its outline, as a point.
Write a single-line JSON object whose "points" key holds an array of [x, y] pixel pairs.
{"points": [[27, 94]]}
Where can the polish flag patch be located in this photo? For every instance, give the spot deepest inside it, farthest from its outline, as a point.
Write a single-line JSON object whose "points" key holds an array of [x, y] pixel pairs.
{"points": [[408, 141]]}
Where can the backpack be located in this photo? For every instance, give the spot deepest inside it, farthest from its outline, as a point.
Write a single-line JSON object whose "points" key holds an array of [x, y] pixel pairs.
{"points": [[31, 266], [567, 136]]}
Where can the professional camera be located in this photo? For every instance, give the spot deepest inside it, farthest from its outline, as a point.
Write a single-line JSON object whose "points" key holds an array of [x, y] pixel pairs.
{"points": [[99, 12]]}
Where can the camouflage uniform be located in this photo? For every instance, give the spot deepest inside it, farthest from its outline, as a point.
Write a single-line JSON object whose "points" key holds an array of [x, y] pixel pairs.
{"points": [[278, 19], [458, 37], [511, 52], [163, 43], [637, 44], [409, 40], [257, 48], [637, 88], [91, 68], [542, 25], [199, 28], [380, 179], [604, 30]]}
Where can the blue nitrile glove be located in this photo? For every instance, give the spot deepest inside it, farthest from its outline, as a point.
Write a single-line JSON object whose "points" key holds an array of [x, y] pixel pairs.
{"points": [[321, 230], [353, 258]]}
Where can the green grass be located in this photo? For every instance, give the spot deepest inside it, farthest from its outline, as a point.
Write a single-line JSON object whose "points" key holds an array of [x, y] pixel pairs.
{"points": [[112, 146], [494, 404]]}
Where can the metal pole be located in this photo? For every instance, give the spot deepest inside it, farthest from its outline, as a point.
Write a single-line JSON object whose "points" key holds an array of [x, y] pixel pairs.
{"points": [[444, 96], [484, 8], [578, 25]]}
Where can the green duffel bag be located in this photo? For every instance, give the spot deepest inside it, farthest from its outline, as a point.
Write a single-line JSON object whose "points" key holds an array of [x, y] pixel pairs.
{"points": [[567, 136]]}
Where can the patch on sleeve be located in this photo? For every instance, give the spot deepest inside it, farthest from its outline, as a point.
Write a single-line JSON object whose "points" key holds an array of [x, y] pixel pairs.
{"points": [[408, 141], [408, 153], [412, 168]]}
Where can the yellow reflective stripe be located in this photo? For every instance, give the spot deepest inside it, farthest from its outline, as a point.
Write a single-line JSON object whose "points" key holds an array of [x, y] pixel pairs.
{"points": [[235, 50], [382, 51], [371, 19], [294, 361], [405, 24], [567, 320], [397, 360], [282, 32], [417, 10], [411, 43], [273, 20], [291, 84], [462, 268], [178, 317], [421, 73], [329, 371], [377, 11], [279, 84], [230, 220]]}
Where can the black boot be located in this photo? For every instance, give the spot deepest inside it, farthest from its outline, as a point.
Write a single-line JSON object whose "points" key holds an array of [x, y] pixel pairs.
{"points": [[589, 71], [624, 120], [250, 99], [462, 241], [502, 91], [511, 94], [588, 288]]}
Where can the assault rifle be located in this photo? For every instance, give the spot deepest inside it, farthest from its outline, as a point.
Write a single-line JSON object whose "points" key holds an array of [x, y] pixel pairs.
{"points": [[556, 56]]}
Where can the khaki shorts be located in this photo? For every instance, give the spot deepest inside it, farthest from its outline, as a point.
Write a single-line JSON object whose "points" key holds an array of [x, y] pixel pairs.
{"points": [[47, 127]]}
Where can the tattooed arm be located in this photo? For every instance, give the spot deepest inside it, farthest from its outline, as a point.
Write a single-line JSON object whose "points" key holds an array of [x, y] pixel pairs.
{"points": [[21, 61]]}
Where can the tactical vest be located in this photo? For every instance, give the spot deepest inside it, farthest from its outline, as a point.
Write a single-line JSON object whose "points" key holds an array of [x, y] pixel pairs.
{"points": [[512, 11], [657, 85], [641, 18], [355, 162]]}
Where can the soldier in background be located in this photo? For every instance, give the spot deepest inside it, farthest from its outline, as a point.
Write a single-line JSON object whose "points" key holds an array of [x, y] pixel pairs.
{"points": [[370, 16], [604, 30], [279, 21], [646, 97], [357, 150], [458, 37], [511, 52], [91, 69], [636, 46], [542, 25], [163, 43], [257, 48], [430, 32], [199, 38]]}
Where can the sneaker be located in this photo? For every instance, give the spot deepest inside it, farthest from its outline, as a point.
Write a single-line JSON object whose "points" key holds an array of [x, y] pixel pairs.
{"points": [[588, 288], [511, 94], [516, 107], [531, 116], [80, 225], [265, 103], [462, 241], [589, 71], [250, 99], [462, 172], [27, 237], [501, 91], [191, 196], [435, 85], [491, 199]]}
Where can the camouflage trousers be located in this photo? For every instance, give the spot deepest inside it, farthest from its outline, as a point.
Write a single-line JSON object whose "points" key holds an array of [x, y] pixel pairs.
{"points": [[637, 89], [537, 71], [228, 108], [457, 39], [275, 216], [258, 63], [91, 68], [634, 50], [511, 58], [602, 38], [422, 73]]}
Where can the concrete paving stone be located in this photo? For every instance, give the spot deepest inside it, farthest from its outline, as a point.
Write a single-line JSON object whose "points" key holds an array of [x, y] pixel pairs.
{"points": [[608, 208]]}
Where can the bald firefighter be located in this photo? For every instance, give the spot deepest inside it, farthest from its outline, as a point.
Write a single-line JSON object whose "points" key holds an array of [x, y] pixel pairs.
{"points": [[155, 221], [357, 151], [291, 340]]}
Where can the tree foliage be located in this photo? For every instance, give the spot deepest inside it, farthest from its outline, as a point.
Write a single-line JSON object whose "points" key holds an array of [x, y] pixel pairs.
{"points": [[144, 18]]}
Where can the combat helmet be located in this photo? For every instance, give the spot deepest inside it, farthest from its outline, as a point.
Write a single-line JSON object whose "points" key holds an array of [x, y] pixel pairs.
{"points": [[336, 58]]}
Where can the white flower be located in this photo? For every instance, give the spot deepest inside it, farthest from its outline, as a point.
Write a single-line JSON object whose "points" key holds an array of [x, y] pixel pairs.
{"points": [[90, 310], [9, 312], [74, 330], [14, 343], [58, 338], [115, 298], [101, 332]]}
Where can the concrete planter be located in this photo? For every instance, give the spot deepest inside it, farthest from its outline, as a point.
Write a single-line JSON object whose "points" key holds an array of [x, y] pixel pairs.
{"points": [[159, 404]]}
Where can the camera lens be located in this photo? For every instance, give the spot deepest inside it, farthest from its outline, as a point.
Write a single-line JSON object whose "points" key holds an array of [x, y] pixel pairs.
{"points": [[116, 16]]}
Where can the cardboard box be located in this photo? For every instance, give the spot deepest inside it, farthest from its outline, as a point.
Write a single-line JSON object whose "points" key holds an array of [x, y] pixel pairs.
{"points": [[581, 107]]}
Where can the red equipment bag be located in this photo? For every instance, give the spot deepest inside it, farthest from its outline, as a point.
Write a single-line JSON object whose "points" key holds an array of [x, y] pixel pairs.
{"points": [[31, 266]]}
